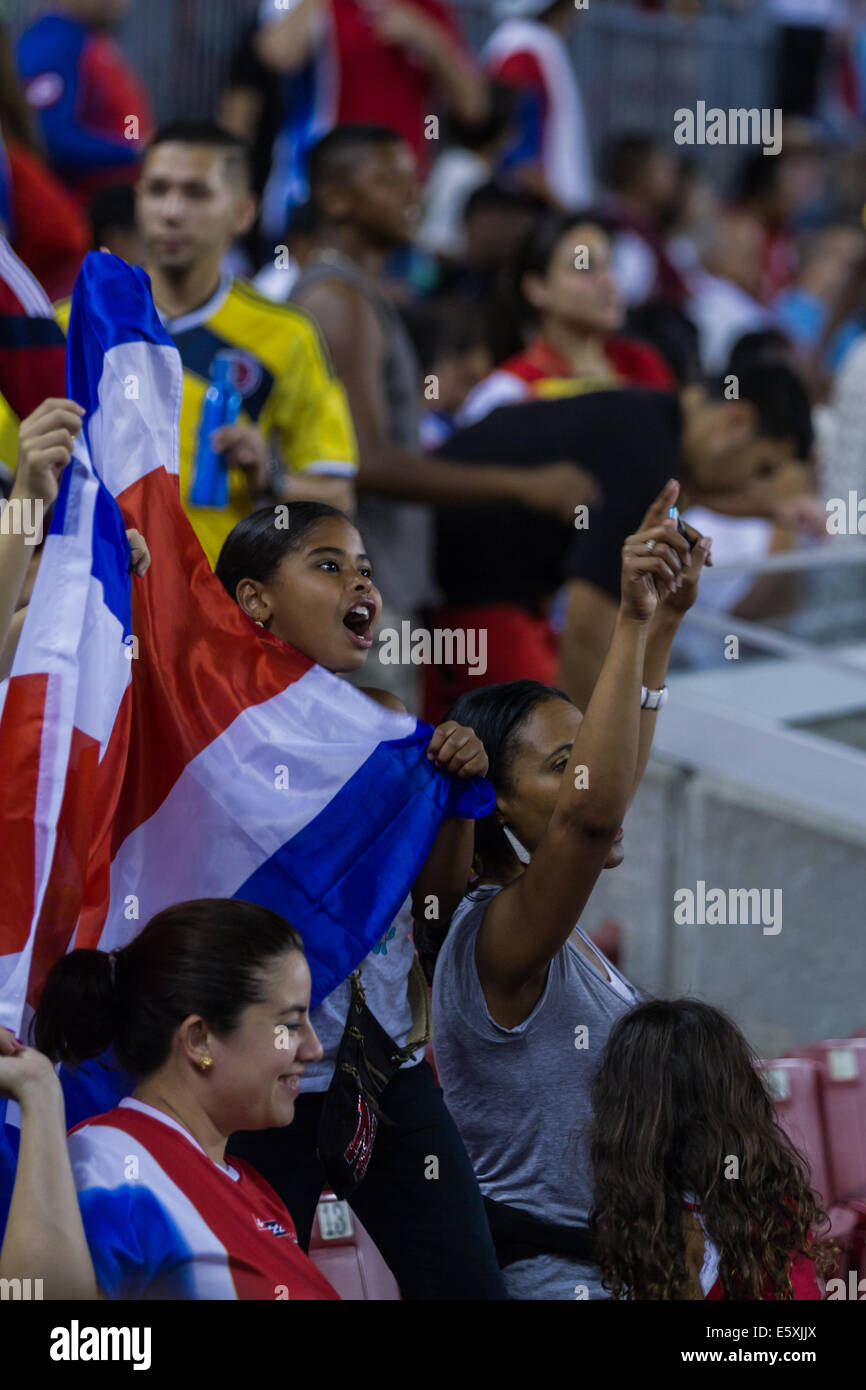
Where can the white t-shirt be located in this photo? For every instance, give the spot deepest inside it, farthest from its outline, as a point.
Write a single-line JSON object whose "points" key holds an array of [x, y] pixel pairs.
{"points": [[455, 175], [722, 313], [384, 977]]}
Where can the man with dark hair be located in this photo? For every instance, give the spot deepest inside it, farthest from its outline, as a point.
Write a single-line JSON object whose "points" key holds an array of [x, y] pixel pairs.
{"points": [[640, 177], [776, 192], [112, 221], [730, 455], [193, 199], [363, 185]]}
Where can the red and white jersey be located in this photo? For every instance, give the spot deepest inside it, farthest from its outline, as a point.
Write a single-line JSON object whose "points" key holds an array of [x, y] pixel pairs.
{"points": [[164, 1221], [541, 373]]}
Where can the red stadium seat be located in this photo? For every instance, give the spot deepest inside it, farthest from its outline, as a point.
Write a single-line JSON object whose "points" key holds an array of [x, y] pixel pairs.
{"points": [[795, 1086], [842, 1076], [343, 1251]]}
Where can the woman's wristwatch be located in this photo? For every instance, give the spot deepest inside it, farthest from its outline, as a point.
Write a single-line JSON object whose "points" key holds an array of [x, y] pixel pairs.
{"points": [[653, 699]]}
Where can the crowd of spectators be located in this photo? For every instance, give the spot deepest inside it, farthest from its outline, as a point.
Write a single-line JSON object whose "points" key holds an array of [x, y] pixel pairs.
{"points": [[485, 368]]}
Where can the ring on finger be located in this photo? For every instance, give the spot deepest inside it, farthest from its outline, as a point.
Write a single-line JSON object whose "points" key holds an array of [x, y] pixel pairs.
{"points": [[650, 545]]}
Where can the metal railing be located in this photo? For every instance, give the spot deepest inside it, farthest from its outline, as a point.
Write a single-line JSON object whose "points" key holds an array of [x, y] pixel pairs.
{"points": [[832, 606]]}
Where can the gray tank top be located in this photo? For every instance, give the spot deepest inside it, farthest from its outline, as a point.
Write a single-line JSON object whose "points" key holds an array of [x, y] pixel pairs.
{"points": [[398, 535], [520, 1096]]}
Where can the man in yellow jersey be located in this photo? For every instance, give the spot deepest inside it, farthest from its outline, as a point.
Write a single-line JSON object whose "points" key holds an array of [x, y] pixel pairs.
{"points": [[293, 438]]}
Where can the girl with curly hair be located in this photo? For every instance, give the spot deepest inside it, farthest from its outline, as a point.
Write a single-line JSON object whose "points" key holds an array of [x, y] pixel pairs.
{"points": [[675, 1100]]}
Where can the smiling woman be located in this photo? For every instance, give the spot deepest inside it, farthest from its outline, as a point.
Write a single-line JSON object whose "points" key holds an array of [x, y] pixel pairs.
{"points": [[207, 1006]]}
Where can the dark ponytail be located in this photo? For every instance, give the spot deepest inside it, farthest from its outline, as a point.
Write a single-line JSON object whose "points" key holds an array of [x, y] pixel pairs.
{"points": [[254, 547], [202, 957]]}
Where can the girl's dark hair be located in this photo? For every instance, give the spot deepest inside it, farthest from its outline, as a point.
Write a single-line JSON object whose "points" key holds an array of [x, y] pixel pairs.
{"points": [[513, 315], [496, 713], [202, 957], [676, 1097], [254, 547]]}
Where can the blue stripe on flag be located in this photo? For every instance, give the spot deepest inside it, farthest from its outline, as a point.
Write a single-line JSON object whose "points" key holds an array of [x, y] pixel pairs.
{"points": [[110, 548], [10, 1138], [110, 565], [312, 874], [58, 516], [111, 305]]}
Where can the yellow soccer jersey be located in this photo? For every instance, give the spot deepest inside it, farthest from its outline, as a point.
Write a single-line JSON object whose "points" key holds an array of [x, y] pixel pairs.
{"points": [[287, 384]]}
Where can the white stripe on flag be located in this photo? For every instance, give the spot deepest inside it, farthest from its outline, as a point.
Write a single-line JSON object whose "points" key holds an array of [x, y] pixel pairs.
{"points": [[225, 816], [134, 428]]}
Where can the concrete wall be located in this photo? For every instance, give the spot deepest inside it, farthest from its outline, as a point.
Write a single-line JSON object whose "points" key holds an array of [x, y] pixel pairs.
{"points": [[807, 982]]}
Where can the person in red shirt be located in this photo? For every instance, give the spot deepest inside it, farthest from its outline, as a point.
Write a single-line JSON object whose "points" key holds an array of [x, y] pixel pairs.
{"points": [[371, 62], [699, 1194]]}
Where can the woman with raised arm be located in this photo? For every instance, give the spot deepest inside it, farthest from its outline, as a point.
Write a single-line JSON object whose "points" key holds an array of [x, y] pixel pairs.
{"points": [[522, 1000]]}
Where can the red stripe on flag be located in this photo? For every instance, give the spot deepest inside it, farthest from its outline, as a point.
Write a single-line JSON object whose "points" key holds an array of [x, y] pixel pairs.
{"points": [[62, 899], [20, 744], [200, 661], [109, 780]]}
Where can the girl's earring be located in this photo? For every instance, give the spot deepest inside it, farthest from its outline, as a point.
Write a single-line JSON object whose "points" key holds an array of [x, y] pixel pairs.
{"points": [[519, 849]]}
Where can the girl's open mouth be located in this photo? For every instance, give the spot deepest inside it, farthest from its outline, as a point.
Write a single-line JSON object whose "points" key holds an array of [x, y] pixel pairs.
{"points": [[358, 622]]}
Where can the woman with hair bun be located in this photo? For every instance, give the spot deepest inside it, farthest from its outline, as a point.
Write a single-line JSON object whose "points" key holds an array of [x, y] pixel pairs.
{"points": [[208, 1007]]}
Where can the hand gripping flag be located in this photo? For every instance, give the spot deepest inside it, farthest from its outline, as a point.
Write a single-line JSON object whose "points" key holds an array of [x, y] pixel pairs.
{"points": [[155, 744]]}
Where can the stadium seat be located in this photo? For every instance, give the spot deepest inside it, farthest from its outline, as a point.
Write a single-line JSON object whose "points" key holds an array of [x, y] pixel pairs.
{"points": [[842, 1077], [794, 1083], [346, 1255]]}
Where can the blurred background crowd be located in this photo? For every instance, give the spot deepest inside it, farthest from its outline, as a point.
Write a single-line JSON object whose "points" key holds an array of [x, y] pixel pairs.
{"points": [[454, 268], [514, 112]]}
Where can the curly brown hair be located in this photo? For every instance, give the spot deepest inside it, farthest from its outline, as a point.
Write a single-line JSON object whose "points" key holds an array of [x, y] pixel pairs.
{"points": [[678, 1095]]}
